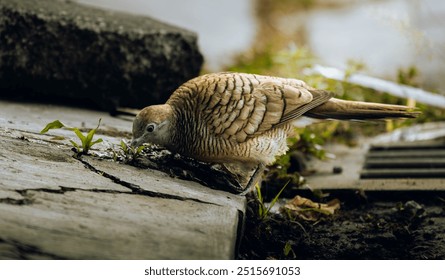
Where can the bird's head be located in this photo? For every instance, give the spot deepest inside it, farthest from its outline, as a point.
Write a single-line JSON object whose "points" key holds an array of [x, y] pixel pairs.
{"points": [[152, 125]]}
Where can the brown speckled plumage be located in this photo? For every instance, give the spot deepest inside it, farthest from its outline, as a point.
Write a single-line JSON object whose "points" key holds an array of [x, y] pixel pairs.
{"points": [[236, 117]]}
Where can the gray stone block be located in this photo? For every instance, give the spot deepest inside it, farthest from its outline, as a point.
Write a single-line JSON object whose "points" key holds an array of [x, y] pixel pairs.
{"points": [[59, 50]]}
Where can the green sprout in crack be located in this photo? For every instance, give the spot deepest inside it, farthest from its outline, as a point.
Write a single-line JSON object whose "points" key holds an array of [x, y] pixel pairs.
{"points": [[86, 141], [128, 153]]}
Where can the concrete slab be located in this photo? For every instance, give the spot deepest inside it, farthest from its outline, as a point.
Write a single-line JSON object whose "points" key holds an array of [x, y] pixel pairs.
{"points": [[55, 206]]}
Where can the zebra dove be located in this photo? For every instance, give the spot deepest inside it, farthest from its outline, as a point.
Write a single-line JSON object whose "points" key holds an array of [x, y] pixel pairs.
{"points": [[243, 118]]}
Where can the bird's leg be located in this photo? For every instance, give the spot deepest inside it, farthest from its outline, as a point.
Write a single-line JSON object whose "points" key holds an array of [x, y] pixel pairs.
{"points": [[255, 179], [245, 174]]}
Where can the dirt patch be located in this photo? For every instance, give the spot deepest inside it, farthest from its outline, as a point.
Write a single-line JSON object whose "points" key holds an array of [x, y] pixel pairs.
{"points": [[384, 226]]}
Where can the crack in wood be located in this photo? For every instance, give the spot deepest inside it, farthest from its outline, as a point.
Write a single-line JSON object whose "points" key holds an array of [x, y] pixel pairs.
{"points": [[25, 250], [135, 189], [214, 176], [27, 200], [14, 201]]}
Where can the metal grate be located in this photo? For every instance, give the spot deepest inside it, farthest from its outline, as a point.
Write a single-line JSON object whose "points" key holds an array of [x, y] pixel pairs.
{"points": [[407, 160]]}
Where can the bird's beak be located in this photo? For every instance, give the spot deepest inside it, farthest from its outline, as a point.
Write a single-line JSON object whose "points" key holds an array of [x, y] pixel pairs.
{"points": [[135, 143]]}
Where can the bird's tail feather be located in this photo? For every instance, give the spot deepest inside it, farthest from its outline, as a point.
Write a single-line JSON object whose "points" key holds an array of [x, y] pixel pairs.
{"points": [[356, 110]]}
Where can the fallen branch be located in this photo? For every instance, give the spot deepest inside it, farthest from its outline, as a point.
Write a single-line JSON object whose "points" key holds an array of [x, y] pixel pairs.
{"points": [[392, 88]]}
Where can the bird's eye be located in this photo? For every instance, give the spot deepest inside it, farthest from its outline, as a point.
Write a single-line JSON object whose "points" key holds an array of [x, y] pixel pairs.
{"points": [[150, 128]]}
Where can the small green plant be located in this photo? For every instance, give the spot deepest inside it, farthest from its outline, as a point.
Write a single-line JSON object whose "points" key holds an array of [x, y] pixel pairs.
{"points": [[288, 249], [86, 140], [263, 210], [128, 153]]}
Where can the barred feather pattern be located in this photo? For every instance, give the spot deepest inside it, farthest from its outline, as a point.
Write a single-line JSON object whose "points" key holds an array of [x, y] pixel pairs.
{"points": [[227, 117]]}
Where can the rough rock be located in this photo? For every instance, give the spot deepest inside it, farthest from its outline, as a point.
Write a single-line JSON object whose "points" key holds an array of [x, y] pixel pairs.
{"points": [[59, 50]]}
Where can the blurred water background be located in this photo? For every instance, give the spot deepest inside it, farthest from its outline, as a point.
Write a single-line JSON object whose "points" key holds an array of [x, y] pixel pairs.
{"points": [[385, 35]]}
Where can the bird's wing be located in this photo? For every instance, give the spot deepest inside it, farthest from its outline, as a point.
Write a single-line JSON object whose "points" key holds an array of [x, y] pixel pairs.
{"points": [[239, 106]]}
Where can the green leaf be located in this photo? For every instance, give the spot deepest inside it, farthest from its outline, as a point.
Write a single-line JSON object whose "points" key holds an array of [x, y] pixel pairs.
{"points": [[75, 144], [97, 141], [287, 248], [258, 189], [261, 208], [261, 211], [275, 199], [79, 134], [89, 138], [52, 125], [124, 146], [140, 149]]}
